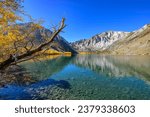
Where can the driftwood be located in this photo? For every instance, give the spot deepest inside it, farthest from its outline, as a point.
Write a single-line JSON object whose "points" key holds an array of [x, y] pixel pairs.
{"points": [[29, 53]]}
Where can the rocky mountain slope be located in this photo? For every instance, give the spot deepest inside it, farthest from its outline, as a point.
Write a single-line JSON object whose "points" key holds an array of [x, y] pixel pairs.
{"points": [[59, 43], [136, 43], [99, 42], [117, 42]]}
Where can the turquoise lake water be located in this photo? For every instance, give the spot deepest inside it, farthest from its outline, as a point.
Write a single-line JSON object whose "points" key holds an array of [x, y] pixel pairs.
{"points": [[85, 77]]}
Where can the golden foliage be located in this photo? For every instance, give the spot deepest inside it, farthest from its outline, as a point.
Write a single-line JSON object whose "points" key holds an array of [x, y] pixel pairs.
{"points": [[13, 40], [8, 35], [18, 43]]}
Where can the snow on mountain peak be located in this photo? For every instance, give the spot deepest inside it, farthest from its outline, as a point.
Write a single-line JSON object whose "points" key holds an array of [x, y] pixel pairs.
{"points": [[99, 41]]}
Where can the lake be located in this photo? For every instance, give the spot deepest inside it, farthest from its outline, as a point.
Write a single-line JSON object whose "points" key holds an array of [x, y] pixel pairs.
{"points": [[84, 77]]}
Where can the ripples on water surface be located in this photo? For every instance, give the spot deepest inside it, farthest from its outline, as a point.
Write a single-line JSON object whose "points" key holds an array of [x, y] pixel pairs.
{"points": [[85, 77]]}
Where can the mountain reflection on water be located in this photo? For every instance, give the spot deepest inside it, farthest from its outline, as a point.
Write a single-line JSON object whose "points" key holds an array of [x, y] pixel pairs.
{"points": [[116, 66], [85, 77]]}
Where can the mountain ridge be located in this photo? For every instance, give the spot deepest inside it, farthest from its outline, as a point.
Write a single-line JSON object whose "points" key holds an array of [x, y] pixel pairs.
{"points": [[59, 44], [113, 41], [137, 43], [99, 41]]}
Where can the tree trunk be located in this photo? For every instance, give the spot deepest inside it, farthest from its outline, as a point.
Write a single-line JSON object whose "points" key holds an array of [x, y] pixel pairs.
{"points": [[11, 59]]}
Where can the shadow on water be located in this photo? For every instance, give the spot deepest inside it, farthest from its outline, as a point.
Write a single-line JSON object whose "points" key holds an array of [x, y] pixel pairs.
{"points": [[41, 73], [30, 91], [61, 83]]}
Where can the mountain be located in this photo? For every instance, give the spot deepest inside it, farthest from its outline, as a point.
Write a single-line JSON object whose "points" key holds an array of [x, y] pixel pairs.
{"points": [[59, 43], [136, 43], [117, 42], [99, 42], [112, 42]]}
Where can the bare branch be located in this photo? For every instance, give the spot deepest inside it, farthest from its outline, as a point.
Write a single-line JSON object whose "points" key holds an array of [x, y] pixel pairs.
{"points": [[11, 60]]}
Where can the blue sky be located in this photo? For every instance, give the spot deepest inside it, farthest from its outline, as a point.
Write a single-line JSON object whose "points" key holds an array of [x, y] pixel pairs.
{"points": [[85, 18]]}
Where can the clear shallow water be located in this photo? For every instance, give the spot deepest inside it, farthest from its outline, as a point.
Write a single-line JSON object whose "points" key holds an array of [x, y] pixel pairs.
{"points": [[85, 77]]}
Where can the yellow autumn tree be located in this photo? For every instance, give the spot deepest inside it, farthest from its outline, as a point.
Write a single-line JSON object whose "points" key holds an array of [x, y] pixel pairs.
{"points": [[8, 9], [10, 34], [17, 44]]}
